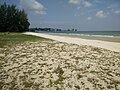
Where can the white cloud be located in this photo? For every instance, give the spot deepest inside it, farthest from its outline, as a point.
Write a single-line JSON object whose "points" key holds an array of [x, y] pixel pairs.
{"points": [[117, 11], [74, 1], [32, 6], [81, 2], [89, 18], [101, 14], [87, 4]]}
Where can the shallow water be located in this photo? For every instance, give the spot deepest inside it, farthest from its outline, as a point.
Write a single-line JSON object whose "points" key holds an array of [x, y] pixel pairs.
{"points": [[112, 36]]}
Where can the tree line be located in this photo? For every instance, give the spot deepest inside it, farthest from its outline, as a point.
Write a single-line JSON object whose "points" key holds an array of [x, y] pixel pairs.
{"points": [[13, 19]]}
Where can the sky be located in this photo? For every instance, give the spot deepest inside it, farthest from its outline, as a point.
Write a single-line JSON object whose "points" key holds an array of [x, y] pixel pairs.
{"points": [[84, 15]]}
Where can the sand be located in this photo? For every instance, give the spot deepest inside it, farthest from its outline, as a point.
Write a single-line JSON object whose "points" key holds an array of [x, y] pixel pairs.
{"points": [[113, 46], [53, 65]]}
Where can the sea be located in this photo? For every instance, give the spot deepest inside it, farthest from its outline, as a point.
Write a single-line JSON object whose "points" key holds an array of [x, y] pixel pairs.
{"points": [[113, 36]]}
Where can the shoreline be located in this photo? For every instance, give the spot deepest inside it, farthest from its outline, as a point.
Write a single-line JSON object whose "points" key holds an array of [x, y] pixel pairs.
{"points": [[109, 39], [113, 46]]}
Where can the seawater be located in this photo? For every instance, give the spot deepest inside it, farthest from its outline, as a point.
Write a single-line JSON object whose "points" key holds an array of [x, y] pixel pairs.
{"points": [[90, 33], [112, 36]]}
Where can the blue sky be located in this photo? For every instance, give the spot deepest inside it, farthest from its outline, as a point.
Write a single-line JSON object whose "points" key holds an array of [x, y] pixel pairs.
{"points": [[79, 14]]}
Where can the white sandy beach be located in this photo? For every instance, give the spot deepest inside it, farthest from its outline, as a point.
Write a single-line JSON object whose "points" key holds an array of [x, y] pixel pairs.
{"points": [[113, 46]]}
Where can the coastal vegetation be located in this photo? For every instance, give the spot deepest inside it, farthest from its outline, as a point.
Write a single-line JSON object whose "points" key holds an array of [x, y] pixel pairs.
{"points": [[13, 19], [10, 39]]}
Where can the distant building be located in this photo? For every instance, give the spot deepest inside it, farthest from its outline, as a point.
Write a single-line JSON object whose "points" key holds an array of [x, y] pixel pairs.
{"points": [[49, 30]]}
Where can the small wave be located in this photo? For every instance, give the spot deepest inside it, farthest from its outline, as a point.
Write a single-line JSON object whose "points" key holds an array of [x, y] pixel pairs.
{"points": [[104, 36], [74, 34], [99, 35], [93, 35]]}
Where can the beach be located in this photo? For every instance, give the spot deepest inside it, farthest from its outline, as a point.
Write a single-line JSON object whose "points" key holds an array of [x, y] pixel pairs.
{"points": [[59, 44], [55, 65], [113, 46], [91, 37]]}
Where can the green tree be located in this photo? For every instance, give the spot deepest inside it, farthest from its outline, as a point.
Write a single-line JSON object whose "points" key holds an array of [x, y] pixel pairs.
{"points": [[12, 19]]}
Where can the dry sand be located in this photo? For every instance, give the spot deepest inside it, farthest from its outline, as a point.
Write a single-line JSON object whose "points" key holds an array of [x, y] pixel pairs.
{"points": [[96, 43], [52, 65]]}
